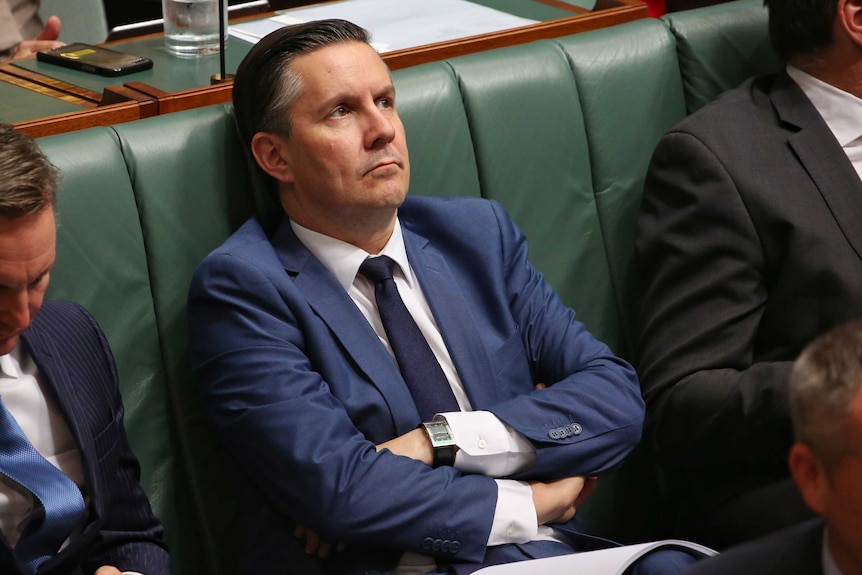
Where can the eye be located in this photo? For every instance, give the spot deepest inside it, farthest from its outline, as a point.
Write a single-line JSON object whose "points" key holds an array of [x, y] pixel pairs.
{"points": [[339, 112], [385, 103], [38, 281]]}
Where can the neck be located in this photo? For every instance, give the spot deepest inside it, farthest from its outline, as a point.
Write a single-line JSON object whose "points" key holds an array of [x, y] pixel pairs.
{"points": [[836, 66]]}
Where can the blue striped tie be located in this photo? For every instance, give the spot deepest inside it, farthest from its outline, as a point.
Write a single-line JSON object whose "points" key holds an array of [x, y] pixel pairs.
{"points": [[58, 495], [425, 379]]}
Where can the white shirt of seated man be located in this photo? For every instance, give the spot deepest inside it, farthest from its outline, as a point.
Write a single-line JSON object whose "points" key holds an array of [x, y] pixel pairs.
{"points": [[41, 421]]}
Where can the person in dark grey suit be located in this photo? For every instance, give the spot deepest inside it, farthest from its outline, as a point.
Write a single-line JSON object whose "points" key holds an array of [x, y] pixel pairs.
{"points": [[748, 247], [826, 464], [59, 395]]}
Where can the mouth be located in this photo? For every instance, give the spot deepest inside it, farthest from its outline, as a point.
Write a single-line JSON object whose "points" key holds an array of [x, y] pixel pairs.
{"points": [[384, 165]]}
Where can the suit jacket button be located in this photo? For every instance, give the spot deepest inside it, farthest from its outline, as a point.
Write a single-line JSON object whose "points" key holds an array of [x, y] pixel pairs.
{"points": [[454, 546], [427, 543]]}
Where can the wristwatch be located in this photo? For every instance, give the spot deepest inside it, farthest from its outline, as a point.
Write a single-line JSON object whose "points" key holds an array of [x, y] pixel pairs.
{"points": [[442, 441]]}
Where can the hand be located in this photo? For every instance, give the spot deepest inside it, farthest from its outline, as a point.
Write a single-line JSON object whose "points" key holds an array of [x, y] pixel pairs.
{"points": [[47, 40], [313, 544], [557, 501], [414, 444], [108, 570]]}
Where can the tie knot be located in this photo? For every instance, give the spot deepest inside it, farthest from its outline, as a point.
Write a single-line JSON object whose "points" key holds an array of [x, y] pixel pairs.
{"points": [[377, 269]]}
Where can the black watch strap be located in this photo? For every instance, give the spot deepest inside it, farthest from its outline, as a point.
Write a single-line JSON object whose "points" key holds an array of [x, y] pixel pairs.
{"points": [[442, 441]]}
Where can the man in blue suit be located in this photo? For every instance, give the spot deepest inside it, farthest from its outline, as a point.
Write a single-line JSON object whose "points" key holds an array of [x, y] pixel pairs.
{"points": [[313, 395], [59, 404]]}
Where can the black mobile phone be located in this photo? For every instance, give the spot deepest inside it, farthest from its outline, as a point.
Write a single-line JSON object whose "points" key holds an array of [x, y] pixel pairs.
{"points": [[95, 59]]}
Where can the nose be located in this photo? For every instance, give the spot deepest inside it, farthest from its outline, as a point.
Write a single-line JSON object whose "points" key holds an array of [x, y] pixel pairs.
{"points": [[16, 310], [380, 129]]}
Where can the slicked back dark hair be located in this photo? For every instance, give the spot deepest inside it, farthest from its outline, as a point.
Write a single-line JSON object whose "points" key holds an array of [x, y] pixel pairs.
{"points": [[28, 181], [799, 27], [265, 87]]}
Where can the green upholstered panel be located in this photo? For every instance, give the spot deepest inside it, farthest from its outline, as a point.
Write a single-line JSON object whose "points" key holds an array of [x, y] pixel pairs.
{"points": [[523, 107], [720, 46], [442, 162], [101, 264], [193, 190], [631, 93]]}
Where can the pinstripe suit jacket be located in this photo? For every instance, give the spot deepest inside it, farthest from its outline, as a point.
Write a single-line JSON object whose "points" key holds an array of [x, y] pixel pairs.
{"points": [[76, 365]]}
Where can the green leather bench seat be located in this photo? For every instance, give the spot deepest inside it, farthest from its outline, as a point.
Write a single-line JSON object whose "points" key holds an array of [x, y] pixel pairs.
{"points": [[102, 264], [559, 131]]}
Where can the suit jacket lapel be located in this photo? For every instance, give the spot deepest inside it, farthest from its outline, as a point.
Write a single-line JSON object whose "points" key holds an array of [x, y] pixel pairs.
{"points": [[822, 157], [332, 304], [454, 319], [55, 378]]}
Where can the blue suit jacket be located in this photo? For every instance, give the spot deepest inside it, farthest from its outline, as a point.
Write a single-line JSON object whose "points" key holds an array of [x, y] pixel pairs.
{"points": [[77, 367], [301, 389]]}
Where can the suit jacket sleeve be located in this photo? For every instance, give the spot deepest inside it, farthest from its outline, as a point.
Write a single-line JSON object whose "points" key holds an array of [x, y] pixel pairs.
{"points": [[703, 293], [591, 414]]}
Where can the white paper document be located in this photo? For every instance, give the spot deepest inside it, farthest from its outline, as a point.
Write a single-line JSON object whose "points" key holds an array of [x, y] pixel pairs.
{"points": [[395, 24], [611, 561]]}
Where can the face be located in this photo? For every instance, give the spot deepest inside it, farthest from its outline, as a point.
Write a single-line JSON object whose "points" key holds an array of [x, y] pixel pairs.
{"points": [[346, 168], [27, 252], [833, 491], [842, 498]]}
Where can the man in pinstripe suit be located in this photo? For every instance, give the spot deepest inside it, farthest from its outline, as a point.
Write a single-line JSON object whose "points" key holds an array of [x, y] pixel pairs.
{"points": [[59, 383]]}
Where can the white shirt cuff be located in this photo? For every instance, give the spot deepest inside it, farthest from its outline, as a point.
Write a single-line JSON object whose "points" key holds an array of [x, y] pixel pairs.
{"points": [[515, 517], [487, 446]]}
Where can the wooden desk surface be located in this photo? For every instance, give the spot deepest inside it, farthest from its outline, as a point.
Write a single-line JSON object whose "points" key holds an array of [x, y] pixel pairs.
{"points": [[175, 84]]}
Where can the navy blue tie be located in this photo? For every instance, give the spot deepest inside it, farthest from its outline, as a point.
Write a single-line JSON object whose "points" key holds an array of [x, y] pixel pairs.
{"points": [[59, 497], [425, 379]]}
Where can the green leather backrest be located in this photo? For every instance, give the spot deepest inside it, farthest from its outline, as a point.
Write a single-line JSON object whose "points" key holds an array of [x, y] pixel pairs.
{"points": [[523, 108], [442, 161], [193, 190], [631, 93], [720, 46], [101, 264]]}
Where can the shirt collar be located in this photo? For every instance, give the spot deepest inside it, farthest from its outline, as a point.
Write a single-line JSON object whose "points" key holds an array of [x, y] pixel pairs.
{"points": [[343, 259], [829, 565], [842, 111], [10, 364]]}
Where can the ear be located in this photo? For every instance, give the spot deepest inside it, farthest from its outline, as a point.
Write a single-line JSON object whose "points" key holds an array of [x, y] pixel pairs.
{"points": [[270, 152], [850, 19], [810, 476]]}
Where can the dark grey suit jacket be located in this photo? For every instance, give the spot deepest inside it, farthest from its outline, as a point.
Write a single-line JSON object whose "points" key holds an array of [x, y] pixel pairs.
{"points": [[749, 244], [798, 549], [76, 365]]}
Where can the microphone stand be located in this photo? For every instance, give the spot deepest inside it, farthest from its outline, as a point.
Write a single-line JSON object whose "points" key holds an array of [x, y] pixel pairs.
{"points": [[221, 77]]}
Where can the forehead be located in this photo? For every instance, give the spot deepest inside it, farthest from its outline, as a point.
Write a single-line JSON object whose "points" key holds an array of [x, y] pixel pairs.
{"points": [[344, 67]]}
